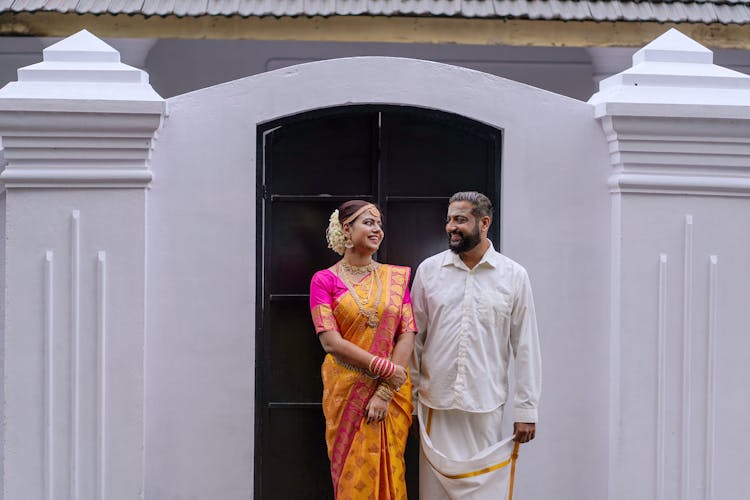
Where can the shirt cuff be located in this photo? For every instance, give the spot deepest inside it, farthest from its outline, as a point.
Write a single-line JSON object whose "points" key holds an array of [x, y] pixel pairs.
{"points": [[525, 415]]}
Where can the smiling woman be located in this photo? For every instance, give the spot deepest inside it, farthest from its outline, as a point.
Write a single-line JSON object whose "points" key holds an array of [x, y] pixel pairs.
{"points": [[362, 314]]}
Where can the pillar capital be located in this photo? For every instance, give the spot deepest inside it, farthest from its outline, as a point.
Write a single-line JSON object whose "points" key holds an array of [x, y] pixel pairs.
{"points": [[677, 123], [79, 118]]}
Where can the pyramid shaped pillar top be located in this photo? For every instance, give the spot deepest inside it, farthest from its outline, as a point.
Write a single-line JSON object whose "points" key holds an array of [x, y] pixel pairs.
{"points": [[674, 47], [81, 47], [674, 76], [81, 58], [82, 69]]}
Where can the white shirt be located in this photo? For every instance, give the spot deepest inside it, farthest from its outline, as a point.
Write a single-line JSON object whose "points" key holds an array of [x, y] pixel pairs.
{"points": [[469, 321]]}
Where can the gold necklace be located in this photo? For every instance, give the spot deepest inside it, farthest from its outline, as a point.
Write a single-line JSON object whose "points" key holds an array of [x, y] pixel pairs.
{"points": [[351, 269], [372, 313]]}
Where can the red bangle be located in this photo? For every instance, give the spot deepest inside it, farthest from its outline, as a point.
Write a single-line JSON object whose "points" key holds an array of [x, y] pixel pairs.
{"points": [[370, 367], [389, 370], [382, 367]]}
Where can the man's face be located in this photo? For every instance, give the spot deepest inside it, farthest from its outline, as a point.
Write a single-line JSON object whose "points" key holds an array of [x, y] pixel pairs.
{"points": [[462, 227]]}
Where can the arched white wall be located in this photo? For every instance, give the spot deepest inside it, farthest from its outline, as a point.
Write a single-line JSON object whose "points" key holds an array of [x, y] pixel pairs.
{"points": [[201, 263]]}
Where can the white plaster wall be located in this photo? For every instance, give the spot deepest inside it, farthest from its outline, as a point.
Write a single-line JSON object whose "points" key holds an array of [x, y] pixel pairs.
{"points": [[3, 306], [201, 235], [201, 301], [40, 221], [716, 409]]}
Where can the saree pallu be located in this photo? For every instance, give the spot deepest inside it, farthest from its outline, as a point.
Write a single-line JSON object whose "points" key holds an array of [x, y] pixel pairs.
{"points": [[367, 460]]}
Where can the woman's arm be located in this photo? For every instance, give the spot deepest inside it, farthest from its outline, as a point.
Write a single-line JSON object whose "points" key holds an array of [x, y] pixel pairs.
{"points": [[401, 356], [403, 348], [344, 350], [334, 344]]}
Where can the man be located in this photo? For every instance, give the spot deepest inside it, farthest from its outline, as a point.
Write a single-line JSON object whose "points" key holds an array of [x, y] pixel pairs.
{"points": [[473, 308]]}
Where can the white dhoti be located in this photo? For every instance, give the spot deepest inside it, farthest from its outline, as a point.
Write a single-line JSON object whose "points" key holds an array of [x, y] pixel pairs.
{"points": [[463, 456]]}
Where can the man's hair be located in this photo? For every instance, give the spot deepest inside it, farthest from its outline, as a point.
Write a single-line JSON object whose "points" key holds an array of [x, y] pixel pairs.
{"points": [[480, 205]]}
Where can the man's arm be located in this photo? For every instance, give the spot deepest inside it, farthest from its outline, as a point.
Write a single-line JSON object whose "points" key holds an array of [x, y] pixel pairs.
{"points": [[524, 341]]}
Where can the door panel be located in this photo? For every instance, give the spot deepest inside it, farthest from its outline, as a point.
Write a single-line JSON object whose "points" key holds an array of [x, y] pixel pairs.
{"points": [[407, 160], [297, 464], [303, 160], [298, 248], [431, 154], [295, 350], [414, 230]]}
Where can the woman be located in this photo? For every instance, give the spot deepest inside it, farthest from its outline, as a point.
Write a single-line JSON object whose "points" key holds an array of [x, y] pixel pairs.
{"points": [[362, 314]]}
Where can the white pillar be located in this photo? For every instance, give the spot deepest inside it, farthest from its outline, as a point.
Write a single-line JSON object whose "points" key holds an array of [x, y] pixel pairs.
{"points": [[678, 127], [76, 130]]}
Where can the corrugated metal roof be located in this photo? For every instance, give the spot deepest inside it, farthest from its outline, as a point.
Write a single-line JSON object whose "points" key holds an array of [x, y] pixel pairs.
{"points": [[686, 11]]}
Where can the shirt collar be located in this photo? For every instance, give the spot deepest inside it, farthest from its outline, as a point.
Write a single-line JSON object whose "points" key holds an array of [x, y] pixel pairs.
{"points": [[489, 258]]}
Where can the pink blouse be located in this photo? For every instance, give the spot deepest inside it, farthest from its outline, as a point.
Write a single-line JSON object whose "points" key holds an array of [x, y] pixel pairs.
{"points": [[326, 287]]}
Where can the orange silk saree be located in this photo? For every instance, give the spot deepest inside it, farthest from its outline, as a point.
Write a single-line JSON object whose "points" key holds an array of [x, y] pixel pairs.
{"points": [[367, 460]]}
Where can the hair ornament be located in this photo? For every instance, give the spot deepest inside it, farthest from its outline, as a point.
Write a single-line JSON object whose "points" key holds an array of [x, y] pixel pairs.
{"points": [[335, 234]]}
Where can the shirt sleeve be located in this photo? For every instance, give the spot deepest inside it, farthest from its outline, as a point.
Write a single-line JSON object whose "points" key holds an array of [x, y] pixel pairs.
{"points": [[524, 340], [321, 304]]}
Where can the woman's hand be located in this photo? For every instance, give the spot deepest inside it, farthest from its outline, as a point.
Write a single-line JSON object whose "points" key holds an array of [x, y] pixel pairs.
{"points": [[397, 379], [377, 409]]}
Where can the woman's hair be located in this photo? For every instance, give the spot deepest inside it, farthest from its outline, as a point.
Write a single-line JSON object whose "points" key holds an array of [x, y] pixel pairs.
{"points": [[339, 217], [349, 208]]}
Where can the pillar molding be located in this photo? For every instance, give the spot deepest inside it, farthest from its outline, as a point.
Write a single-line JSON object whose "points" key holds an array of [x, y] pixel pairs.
{"points": [[77, 131]]}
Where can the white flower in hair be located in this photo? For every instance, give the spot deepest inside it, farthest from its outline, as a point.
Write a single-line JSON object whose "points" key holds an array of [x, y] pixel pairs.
{"points": [[335, 234]]}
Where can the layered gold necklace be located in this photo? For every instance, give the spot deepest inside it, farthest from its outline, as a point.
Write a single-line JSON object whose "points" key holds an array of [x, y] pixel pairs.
{"points": [[349, 274]]}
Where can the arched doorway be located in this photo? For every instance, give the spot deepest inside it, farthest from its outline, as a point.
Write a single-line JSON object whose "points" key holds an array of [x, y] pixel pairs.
{"points": [[408, 160]]}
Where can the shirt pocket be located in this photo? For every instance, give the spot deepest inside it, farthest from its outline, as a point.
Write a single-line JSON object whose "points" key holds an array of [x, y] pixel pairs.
{"points": [[493, 307]]}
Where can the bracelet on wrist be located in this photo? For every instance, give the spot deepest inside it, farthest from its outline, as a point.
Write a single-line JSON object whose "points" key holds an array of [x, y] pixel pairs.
{"points": [[382, 367], [384, 391]]}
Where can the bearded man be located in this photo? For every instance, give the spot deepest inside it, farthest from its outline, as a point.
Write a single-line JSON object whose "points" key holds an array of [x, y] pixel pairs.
{"points": [[474, 309]]}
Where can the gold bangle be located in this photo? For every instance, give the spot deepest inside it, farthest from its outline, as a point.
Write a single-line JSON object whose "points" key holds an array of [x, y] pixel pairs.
{"points": [[391, 386], [384, 391]]}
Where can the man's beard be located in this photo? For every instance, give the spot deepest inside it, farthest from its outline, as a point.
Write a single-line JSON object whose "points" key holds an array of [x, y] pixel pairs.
{"points": [[466, 243]]}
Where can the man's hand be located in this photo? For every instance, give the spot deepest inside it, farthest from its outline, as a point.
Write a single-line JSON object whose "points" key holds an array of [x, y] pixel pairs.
{"points": [[524, 431]]}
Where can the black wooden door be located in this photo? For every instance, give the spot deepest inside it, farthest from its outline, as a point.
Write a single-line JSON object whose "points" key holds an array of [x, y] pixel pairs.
{"points": [[409, 161]]}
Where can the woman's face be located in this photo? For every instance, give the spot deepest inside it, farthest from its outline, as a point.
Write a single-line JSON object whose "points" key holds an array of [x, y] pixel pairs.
{"points": [[365, 232]]}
